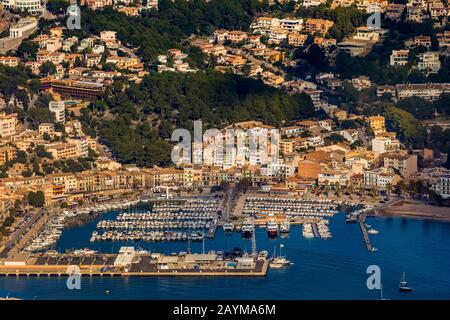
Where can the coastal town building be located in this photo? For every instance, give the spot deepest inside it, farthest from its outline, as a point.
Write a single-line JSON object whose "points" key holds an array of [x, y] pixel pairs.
{"points": [[7, 153], [427, 91], [385, 144], [8, 124], [31, 6], [9, 61], [320, 26], [403, 163], [429, 62], [59, 110], [399, 57], [380, 179]]}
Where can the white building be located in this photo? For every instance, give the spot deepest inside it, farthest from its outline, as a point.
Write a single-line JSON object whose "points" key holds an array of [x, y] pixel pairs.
{"points": [[312, 3], [429, 62], [380, 178], [32, 6], [384, 144], [59, 109], [291, 25], [23, 28]]}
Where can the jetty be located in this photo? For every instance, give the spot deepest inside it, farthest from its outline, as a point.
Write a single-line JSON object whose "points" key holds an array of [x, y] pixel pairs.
{"points": [[315, 230], [362, 224], [129, 262]]}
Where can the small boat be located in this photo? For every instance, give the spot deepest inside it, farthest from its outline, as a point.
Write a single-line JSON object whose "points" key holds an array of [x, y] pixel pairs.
{"points": [[403, 287], [228, 227], [285, 227], [280, 261], [272, 228], [263, 255], [372, 231], [247, 230]]}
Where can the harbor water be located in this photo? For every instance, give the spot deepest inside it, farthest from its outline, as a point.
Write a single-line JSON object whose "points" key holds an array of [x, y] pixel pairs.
{"points": [[323, 269]]}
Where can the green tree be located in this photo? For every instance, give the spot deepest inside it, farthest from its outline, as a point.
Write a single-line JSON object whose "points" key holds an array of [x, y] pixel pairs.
{"points": [[36, 199]]}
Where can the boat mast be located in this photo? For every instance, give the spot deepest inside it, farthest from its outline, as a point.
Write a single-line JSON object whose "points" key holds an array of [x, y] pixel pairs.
{"points": [[203, 241], [253, 241]]}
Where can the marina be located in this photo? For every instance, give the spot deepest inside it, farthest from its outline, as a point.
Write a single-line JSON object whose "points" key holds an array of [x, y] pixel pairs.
{"points": [[167, 221], [313, 275]]}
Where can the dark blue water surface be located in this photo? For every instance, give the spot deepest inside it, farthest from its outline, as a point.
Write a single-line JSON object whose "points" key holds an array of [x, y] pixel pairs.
{"points": [[323, 269]]}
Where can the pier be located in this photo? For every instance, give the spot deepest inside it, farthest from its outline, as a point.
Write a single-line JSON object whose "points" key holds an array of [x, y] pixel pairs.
{"points": [[130, 263], [362, 220], [315, 230]]}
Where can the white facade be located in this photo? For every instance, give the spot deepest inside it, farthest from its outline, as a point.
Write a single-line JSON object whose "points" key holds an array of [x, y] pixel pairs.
{"points": [[429, 62], [384, 144], [23, 28], [58, 108], [32, 6], [442, 187]]}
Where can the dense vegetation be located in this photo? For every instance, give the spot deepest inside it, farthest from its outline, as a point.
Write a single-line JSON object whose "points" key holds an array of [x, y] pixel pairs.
{"points": [[409, 129]]}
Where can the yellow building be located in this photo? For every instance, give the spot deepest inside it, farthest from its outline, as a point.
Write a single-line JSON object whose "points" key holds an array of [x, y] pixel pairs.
{"points": [[318, 26], [63, 150], [56, 32], [296, 39], [7, 154], [287, 146], [377, 123], [8, 124]]}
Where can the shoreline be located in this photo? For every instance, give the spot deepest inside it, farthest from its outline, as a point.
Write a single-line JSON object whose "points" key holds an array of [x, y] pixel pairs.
{"points": [[417, 210]]}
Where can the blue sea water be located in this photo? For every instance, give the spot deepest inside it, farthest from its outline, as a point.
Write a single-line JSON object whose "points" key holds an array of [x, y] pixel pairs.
{"points": [[323, 269]]}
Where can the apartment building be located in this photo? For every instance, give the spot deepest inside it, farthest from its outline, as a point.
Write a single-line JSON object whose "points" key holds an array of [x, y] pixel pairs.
{"points": [[296, 39], [443, 38], [73, 88], [334, 177], [429, 62], [399, 57], [424, 41], [10, 61], [377, 124], [385, 144], [442, 186], [97, 4], [403, 163], [46, 128], [394, 11], [31, 6], [380, 178], [291, 24], [8, 124], [427, 91], [63, 150], [59, 110], [237, 36], [312, 3], [320, 26], [7, 153]]}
